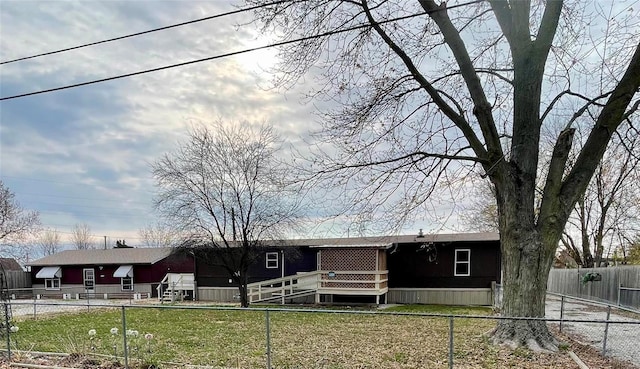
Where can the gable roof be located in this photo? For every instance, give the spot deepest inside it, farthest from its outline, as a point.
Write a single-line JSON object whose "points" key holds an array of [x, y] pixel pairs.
{"points": [[150, 255], [10, 264]]}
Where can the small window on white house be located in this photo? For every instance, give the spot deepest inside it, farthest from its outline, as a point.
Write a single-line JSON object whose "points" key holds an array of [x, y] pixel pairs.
{"points": [[272, 260], [462, 264], [52, 284], [127, 283]]}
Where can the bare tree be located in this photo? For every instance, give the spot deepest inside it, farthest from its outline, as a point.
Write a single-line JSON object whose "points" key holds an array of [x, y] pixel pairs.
{"points": [[16, 223], [81, 237], [480, 212], [48, 241], [225, 188], [605, 217], [607, 213], [158, 235], [436, 91]]}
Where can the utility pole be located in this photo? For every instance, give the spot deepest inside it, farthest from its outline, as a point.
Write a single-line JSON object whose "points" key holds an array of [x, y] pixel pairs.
{"points": [[105, 242]]}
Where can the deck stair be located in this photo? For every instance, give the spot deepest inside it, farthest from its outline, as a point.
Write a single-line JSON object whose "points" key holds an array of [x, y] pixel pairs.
{"points": [[175, 286]]}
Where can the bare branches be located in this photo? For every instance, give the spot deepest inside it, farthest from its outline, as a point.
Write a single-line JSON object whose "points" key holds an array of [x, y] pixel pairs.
{"points": [[81, 237], [482, 108], [15, 222], [159, 235], [609, 119], [48, 242], [226, 191]]}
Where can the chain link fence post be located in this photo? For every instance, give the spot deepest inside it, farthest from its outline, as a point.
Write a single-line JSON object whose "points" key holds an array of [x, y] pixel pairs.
{"points": [[124, 338], [7, 325], [606, 331], [561, 311], [451, 342], [268, 328]]}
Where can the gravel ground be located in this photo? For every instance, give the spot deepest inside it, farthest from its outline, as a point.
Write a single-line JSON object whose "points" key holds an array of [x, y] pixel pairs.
{"points": [[26, 307], [623, 340]]}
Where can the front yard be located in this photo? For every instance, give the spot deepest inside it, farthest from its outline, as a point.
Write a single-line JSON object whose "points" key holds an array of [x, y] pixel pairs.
{"points": [[305, 340]]}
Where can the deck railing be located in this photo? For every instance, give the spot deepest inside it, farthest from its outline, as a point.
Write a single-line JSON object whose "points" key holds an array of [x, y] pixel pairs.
{"points": [[175, 283], [349, 282]]}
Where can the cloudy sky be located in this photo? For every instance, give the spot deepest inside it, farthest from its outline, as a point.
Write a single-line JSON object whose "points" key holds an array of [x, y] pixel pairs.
{"points": [[82, 155]]}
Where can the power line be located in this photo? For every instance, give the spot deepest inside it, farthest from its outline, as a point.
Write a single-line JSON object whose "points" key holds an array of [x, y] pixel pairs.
{"points": [[237, 11], [220, 56]]}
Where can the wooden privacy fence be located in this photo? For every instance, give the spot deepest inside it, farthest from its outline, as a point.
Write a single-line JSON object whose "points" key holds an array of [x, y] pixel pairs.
{"points": [[18, 279], [618, 285]]}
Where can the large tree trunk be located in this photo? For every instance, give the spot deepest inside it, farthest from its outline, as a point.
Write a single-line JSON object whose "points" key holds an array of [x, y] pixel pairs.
{"points": [[527, 255], [526, 269]]}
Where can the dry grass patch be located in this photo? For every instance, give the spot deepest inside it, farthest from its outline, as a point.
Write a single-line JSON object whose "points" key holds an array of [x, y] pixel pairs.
{"points": [[304, 340]]}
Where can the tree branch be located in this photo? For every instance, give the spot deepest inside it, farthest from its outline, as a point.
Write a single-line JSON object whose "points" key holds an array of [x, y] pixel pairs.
{"points": [[610, 118]]}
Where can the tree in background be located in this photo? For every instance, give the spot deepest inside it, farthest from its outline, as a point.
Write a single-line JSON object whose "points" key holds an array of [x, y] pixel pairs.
{"points": [[633, 254], [158, 235], [48, 242], [81, 237], [480, 212], [606, 215], [433, 93], [16, 224], [225, 189]]}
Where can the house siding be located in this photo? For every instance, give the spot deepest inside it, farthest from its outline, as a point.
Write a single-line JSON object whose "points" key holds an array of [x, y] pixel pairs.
{"points": [[409, 266], [210, 273], [142, 273], [441, 296]]}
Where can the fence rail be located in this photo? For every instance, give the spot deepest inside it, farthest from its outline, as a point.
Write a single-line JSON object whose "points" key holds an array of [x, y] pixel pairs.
{"points": [[288, 337], [617, 285]]}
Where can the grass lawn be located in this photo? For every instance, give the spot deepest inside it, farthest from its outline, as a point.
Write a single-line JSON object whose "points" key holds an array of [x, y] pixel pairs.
{"points": [[237, 339]]}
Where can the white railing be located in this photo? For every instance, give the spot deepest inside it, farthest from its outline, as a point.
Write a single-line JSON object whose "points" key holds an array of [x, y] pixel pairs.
{"points": [[281, 287], [354, 281], [320, 281], [176, 282]]}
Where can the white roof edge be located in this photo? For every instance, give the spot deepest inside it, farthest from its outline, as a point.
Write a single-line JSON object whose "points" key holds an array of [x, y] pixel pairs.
{"points": [[365, 245]]}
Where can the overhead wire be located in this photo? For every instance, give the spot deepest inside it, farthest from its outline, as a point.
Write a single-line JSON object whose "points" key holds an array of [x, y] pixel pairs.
{"points": [[220, 15], [233, 53]]}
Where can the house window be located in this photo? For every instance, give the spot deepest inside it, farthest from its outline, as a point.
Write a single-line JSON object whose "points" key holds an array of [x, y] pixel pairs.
{"points": [[462, 264], [126, 283], [272, 260], [52, 284]]}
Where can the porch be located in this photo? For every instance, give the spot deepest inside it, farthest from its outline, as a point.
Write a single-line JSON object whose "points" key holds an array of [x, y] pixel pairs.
{"points": [[348, 270]]}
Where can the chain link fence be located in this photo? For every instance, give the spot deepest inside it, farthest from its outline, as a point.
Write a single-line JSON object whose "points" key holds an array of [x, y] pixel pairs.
{"points": [[141, 335], [620, 341]]}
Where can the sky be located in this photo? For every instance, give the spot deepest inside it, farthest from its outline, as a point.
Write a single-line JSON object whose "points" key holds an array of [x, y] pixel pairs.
{"points": [[83, 155]]}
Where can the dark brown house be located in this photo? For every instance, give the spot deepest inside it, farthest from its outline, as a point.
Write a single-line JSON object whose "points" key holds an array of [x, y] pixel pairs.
{"points": [[455, 269], [458, 269]]}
